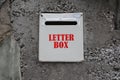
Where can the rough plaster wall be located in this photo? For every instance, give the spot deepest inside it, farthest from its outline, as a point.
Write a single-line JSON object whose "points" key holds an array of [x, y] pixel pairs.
{"points": [[9, 60], [9, 50], [102, 44]]}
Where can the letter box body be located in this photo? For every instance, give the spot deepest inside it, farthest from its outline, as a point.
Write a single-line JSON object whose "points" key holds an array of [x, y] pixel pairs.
{"points": [[61, 37]]}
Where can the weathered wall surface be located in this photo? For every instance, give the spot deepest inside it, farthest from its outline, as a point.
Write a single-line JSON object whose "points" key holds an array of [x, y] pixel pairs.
{"points": [[102, 44], [9, 50]]}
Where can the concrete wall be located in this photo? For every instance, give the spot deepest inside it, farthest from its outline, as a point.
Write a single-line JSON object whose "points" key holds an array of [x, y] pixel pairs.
{"points": [[9, 50], [101, 40]]}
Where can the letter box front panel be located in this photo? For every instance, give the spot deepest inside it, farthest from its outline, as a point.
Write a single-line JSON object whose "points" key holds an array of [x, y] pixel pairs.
{"points": [[61, 37]]}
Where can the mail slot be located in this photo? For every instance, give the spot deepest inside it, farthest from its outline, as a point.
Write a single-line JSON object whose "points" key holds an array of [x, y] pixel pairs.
{"points": [[61, 37], [60, 22]]}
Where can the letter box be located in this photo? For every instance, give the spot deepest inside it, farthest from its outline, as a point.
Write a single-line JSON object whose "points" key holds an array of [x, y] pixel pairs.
{"points": [[61, 37]]}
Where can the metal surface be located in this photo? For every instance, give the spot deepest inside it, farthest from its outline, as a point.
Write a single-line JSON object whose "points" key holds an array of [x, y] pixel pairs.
{"points": [[62, 39]]}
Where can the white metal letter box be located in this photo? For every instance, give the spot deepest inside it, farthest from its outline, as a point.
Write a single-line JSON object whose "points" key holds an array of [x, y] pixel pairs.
{"points": [[61, 37]]}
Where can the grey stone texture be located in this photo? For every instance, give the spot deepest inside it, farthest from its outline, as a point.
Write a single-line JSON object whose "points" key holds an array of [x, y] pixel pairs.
{"points": [[9, 50], [5, 27], [1, 2], [9, 60], [101, 40]]}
